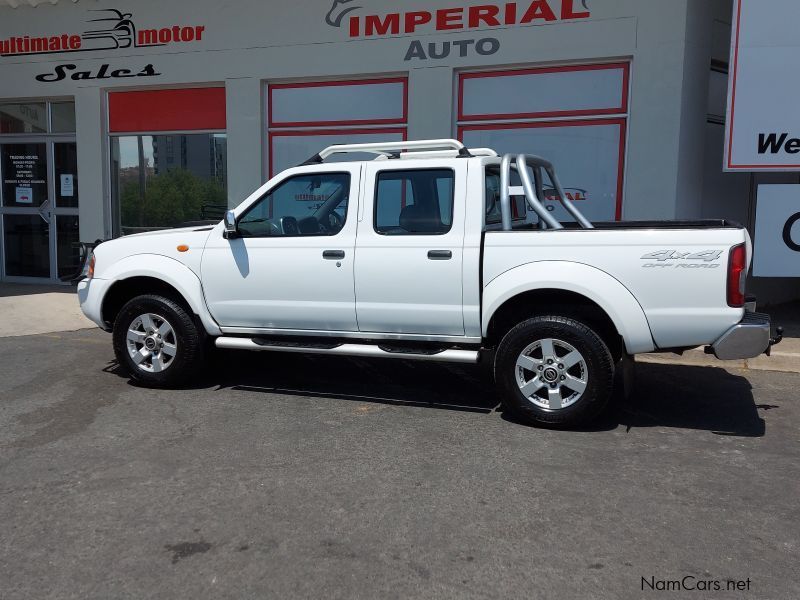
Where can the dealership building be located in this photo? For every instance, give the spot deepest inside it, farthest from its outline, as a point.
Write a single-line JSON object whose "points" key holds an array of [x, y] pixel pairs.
{"points": [[128, 116]]}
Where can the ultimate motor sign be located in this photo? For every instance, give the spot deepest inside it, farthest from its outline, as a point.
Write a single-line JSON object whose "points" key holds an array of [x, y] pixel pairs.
{"points": [[108, 29]]}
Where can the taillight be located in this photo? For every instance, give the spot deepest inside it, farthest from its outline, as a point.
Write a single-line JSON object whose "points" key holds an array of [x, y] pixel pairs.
{"points": [[737, 275]]}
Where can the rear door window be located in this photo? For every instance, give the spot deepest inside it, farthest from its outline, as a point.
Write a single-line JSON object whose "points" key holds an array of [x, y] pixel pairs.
{"points": [[414, 202]]}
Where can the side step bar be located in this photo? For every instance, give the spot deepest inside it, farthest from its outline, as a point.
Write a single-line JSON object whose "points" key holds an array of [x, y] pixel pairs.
{"points": [[454, 356]]}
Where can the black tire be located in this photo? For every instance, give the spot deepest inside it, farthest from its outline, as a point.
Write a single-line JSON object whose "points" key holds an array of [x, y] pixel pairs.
{"points": [[595, 372], [187, 338]]}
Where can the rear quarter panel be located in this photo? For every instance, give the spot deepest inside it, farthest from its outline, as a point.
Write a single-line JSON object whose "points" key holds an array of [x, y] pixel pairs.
{"points": [[683, 297]]}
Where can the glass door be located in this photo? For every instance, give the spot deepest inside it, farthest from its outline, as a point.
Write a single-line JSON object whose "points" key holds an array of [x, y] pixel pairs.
{"points": [[39, 208], [65, 253]]}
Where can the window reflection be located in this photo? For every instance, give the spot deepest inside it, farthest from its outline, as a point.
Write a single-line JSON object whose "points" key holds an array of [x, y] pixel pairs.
{"points": [[62, 117], [23, 118], [163, 181]]}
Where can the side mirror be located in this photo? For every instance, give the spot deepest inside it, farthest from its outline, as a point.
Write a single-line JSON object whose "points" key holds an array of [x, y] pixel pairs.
{"points": [[231, 230]]}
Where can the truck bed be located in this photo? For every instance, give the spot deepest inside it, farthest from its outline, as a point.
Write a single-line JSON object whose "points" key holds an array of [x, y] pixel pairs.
{"points": [[667, 266]]}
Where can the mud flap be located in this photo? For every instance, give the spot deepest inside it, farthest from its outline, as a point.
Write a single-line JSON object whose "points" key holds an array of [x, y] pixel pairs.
{"points": [[624, 378]]}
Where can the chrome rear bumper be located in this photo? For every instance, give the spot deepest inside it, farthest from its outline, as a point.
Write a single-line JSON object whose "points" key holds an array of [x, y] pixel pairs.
{"points": [[749, 338]]}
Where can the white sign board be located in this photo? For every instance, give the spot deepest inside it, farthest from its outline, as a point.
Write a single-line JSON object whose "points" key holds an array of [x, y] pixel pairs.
{"points": [[67, 185], [24, 195], [763, 125], [777, 236]]}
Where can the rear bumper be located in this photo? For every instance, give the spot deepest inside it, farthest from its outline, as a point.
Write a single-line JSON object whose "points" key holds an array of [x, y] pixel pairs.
{"points": [[749, 338]]}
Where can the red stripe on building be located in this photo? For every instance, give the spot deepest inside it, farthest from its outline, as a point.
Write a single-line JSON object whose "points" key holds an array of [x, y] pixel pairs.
{"points": [[189, 109]]}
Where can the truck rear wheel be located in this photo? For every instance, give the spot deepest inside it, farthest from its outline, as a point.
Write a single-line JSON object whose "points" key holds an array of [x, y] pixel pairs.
{"points": [[157, 341], [554, 369]]}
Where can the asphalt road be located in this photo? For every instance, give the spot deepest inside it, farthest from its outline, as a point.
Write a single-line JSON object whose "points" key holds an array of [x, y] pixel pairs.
{"points": [[290, 476]]}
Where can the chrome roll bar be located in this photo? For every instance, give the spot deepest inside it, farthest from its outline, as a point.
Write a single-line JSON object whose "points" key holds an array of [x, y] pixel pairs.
{"points": [[533, 196]]}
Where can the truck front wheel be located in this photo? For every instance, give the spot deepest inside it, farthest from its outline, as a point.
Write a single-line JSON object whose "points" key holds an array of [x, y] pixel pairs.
{"points": [[554, 369], [157, 341]]}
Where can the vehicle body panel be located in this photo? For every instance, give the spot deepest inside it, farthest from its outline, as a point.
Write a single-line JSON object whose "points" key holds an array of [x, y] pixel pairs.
{"points": [[683, 299], [399, 289], [284, 282], [588, 281]]}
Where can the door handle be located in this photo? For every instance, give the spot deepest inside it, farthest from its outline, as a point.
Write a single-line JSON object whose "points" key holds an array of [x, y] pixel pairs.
{"points": [[440, 254], [333, 254]]}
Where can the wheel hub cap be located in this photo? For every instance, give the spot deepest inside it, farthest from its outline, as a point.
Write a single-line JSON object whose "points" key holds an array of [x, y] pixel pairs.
{"points": [[550, 375]]}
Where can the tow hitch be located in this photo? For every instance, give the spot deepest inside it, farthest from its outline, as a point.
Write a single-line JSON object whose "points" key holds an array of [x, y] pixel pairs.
{"points": [[774, 341]]}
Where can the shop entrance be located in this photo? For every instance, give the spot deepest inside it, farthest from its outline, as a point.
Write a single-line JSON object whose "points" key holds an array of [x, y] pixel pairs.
{"points": [[38, 207]]}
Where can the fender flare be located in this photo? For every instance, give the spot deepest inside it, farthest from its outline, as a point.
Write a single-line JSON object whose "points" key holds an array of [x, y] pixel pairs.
{"points": [[170, 271], [598, 286]]}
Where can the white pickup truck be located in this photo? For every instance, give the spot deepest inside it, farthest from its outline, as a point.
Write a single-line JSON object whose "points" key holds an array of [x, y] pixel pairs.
{"points": [[429, 251]]}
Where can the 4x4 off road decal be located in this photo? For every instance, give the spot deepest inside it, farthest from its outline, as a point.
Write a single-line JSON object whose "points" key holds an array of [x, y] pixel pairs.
{"points": [[708, 259]]}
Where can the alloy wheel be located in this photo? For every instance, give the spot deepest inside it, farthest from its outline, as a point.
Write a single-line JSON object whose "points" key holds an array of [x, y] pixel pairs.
{"points": [[151, 342], [551, 374]]}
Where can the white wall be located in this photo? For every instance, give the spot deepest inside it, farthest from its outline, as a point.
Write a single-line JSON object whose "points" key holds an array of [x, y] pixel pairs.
{"points": [[253, 41], [671, 150]]}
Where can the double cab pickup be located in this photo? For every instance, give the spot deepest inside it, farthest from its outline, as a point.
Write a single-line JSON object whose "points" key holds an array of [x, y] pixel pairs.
{"points": [[428, 250]]}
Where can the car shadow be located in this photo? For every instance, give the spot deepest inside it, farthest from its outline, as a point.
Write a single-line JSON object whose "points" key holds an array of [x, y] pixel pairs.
{"points": [[692, 397], [671, 396], [387, 381], [680, 397]]}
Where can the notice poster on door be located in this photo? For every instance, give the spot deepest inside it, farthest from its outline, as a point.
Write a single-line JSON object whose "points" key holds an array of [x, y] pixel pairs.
{"points": [[24, 174], [67, 186], [24, 195]]}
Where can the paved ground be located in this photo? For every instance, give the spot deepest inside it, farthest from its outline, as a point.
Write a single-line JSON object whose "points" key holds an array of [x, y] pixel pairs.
{"points": [[26, 309], [287, 476]]}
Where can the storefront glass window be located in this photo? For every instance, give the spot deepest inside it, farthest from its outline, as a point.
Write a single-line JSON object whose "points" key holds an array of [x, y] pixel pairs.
{"points": [[24, 174], [306, 117], [23, 118], [62, 117], [576, 116], [290, 149], [333, 102], [586, 155], [162, 181]]}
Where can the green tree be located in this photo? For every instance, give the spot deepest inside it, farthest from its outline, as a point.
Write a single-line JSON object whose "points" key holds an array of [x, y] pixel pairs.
{"points": [[170, 199]]}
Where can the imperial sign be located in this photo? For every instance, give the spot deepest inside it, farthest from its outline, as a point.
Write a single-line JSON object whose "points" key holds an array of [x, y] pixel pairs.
{"points": [[360, 23]]}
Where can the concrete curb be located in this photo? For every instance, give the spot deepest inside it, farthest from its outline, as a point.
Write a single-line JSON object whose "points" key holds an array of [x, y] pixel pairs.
{"points": [[785, 358]]}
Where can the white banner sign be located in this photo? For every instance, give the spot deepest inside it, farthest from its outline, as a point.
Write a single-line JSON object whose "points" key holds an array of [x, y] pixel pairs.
{"points": [[763, 124], [777, 240]]}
